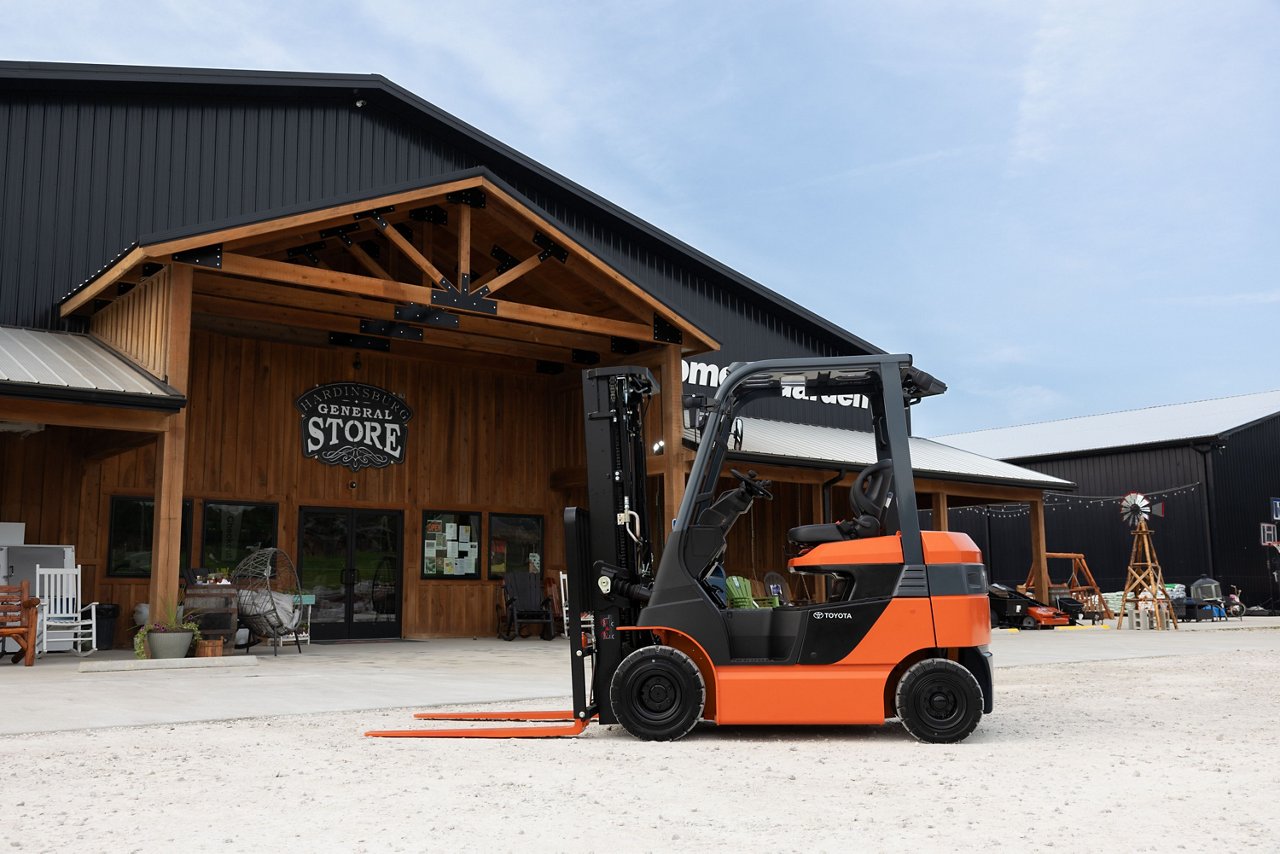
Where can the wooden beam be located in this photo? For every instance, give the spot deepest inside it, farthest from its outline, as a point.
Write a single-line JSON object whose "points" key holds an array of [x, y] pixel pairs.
{"points": [[296, 297], [82, 415], [464, 244], [310, 221], [166, 536], [411, 252], [503, 279], [311, 319], [958, 489], [310, 277], [366, 261], [569, 320], [706, 341], [672, 436], [106, 280], [1039, 563], [940, 511]]}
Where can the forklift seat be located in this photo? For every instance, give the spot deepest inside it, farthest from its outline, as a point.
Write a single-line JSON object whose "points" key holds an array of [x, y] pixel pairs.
{"points": [[868, 498]]}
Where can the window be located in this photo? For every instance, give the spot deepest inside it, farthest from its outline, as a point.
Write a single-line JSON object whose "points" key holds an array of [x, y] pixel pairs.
{"points": [[450, 544], [129, 538], [515, 542], [233, 531]]}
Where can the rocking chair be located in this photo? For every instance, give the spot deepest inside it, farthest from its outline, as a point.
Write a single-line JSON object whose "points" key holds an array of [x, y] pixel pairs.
{"points": [[525, 605]]}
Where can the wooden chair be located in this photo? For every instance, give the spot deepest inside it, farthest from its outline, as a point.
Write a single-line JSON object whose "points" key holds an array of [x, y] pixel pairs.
{"points": [[525, 604], [62, 617], [19, 613]]}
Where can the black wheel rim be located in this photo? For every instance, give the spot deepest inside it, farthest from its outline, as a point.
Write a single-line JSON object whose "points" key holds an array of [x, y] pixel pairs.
{"points": [[940, 704], [655, 696]]}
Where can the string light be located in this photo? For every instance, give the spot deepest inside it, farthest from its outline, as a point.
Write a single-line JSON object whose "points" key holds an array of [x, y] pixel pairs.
{"points": [[1054, 501]]}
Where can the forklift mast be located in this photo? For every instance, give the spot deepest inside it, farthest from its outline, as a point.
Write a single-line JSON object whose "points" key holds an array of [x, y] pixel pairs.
{"points": [[609, 555]]}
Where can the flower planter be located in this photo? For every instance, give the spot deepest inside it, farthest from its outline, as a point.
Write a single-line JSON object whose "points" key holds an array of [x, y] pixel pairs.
{"points": [[168, 644], [209, 648]]}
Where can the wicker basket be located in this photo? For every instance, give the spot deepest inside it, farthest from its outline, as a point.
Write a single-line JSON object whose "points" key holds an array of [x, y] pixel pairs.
{"points": [[209, 648]]}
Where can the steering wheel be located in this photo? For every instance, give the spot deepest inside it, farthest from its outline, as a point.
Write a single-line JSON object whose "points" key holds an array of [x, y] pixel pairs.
{"points": [[755, 487], [871, 487]]}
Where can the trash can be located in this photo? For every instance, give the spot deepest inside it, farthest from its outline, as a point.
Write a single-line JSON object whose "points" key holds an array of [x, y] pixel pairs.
{"points": [[108, 613]]}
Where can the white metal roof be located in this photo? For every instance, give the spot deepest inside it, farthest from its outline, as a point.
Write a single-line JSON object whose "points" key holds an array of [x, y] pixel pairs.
{"points": [[1153, 425], [791, 443], [43, 362]]}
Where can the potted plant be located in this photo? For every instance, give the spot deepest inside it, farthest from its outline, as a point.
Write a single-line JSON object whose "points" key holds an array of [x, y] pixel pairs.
{"points": [[172, 637]]}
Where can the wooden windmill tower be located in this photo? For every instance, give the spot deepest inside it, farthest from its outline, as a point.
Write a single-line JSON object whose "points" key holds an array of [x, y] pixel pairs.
{"points": [[1144, 590]]}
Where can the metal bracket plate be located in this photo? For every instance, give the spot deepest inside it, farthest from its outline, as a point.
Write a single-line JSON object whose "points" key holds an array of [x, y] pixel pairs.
{"points": [[453, 298], [391, 329], [433, 214], [360, 342], [550, 249], [665, 332], [474, 197], [205, 256], [420, 314]]}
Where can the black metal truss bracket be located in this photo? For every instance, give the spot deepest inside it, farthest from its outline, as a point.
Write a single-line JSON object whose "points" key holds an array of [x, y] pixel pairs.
{"points": [[550, 249], [205, 256], [391, 329], [377, 215], [342, 232], [473, 197], [585, 357], [308, 251], [665, 332], [433, 214], [504, 258], [150, 268], [360, 342], [424, 316], [451, 297], [625, 346]]}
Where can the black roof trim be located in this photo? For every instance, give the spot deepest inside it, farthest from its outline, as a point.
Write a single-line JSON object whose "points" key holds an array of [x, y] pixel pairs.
{"points": [[94, 397], [50, 74]]}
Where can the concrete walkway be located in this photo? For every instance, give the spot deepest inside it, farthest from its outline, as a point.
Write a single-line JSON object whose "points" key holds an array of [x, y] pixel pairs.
{"points": [[55, 695]]}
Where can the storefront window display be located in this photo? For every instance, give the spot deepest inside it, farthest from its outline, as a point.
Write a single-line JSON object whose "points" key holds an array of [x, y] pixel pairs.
{"points": [[450, 544], [130, 537], [515, 543]]}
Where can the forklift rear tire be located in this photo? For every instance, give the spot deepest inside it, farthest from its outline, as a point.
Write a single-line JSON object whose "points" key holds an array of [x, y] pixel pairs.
{"points": [[939, 701], [657, 693]]}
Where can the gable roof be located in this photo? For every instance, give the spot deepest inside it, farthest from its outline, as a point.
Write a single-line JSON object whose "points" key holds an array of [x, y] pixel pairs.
{"points": [[387, 95], [1177, 422]]}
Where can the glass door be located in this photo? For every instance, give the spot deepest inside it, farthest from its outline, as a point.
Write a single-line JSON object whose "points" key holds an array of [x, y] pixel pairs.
{"points": [[350, 561]]}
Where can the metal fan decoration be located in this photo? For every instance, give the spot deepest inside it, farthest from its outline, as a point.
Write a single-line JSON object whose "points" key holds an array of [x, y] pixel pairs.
{"points": [[1135, 508]]}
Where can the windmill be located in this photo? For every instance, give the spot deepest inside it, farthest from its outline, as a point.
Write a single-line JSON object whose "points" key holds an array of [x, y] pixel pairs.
{"points": [[1144, 590]]}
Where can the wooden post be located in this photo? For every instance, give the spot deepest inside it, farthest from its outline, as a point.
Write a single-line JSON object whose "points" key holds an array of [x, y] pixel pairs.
{"points": [[171, 449], [672, 436], [1039, 563], [940, 511]]}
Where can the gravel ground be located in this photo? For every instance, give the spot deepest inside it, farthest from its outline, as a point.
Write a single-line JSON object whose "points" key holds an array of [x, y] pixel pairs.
{"points": [[1154, 754]]}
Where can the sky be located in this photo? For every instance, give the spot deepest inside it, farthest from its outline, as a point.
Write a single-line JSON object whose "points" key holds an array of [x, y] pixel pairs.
{"points": [[1059, 207]]}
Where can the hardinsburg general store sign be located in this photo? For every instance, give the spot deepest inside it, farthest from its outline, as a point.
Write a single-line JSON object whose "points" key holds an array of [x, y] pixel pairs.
{"points": [[353, 425]]}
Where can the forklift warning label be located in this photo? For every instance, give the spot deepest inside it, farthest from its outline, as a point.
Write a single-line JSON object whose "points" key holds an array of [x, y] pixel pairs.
{"points": [[707, 374]]}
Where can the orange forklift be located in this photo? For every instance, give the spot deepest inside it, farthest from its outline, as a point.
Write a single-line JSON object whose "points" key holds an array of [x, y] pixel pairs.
{"points": [[903, 629]]}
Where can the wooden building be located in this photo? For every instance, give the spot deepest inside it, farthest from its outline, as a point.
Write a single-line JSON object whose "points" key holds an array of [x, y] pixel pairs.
{"points": [[315, 312]]}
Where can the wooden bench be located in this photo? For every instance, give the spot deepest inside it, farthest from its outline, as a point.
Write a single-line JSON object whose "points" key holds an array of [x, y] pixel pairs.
{"points": [[18, 616]]}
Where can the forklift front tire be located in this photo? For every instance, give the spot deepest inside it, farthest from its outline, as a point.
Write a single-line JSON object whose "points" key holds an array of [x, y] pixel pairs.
{"points": [[657, 693], [939, 701]]}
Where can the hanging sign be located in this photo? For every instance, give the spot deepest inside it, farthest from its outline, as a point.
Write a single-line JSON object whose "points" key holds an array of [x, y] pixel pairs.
{"points": [[353, 425]]}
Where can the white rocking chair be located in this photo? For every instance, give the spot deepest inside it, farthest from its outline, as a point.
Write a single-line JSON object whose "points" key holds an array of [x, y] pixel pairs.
{"points": [[62, 617]]}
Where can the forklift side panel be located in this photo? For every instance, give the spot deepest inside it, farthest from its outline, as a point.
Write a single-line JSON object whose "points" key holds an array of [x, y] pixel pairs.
{"points": [[962, 621], [796, 694], [905, 627]]}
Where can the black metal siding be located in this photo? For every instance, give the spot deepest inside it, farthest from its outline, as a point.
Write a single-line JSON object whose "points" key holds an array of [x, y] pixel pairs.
{"points": [[85, 172], [1246, 476]]}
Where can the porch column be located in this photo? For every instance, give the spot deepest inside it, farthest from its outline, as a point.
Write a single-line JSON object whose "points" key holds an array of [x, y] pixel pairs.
{"points": [[1039, 563], [672, 437], [171, 448], [940, 511]]}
